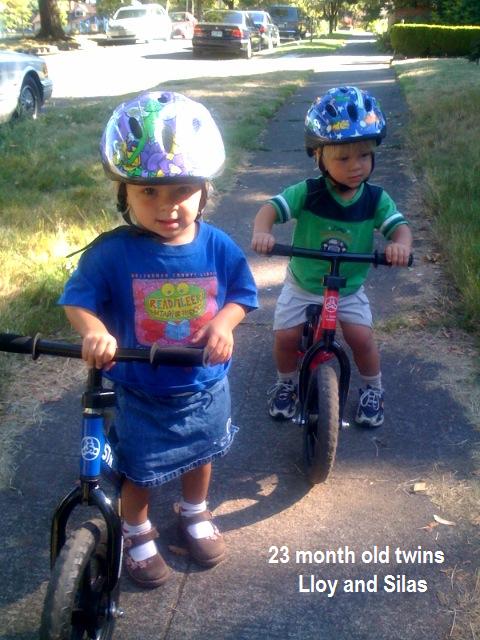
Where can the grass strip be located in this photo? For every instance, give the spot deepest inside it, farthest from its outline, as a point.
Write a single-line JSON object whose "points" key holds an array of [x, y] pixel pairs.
{"points": [[444, 99]]}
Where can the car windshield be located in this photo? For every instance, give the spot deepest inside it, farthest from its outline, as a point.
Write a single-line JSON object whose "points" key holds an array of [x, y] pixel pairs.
{"points": [[223, 17], [130, 13], [257, 16], [284, 12]]}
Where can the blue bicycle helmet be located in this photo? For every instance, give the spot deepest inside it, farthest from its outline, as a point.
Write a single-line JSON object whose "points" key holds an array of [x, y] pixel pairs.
{"points": [[343, 115]]}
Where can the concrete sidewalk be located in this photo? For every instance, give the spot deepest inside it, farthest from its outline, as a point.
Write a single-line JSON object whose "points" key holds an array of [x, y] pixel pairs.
{"points": [[365, 516]]}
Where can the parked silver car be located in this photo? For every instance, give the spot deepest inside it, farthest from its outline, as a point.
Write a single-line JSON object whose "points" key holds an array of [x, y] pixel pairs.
{"points": [[24, 85], [268, 29], [139, 22]]}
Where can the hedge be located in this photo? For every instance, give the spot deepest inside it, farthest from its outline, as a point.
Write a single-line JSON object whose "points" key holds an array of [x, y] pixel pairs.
{"points": [[423, 40]]}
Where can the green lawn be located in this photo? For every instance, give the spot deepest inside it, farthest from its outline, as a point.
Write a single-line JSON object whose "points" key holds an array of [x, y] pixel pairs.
{"points": [[444, 100]]}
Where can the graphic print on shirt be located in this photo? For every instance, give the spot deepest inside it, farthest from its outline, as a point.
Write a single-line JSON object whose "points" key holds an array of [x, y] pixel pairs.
{"points": [[170, 309], [338, 243]]}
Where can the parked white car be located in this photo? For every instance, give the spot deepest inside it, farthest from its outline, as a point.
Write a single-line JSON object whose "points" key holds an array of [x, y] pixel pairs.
{"points": [[140, 22], [24, 85]]}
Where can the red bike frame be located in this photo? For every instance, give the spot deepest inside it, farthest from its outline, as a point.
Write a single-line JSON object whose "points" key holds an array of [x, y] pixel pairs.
{"points": [[324, 346]]}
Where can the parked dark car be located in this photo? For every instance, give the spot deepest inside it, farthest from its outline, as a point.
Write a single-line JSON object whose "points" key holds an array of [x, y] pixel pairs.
{"points": [[224, 31], [268, 29], [24, 85], [291, 21]]}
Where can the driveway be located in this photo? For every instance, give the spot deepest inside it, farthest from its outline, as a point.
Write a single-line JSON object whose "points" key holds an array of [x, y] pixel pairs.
{"points": [[361, 557]]}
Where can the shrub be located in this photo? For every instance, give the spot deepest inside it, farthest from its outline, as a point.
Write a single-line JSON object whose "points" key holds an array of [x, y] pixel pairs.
{"points": [[422, 40]]}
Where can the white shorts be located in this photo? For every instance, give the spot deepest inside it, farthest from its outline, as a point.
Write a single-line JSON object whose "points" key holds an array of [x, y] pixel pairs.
{"points": [[293, 301]]}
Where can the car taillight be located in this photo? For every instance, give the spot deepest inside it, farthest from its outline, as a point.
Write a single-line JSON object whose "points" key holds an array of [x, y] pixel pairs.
{"points": [[262, 29], [237, 33], [198, 31]]}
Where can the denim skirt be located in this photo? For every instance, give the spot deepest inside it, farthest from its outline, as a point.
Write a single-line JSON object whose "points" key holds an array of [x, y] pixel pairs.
{"points": [[157, 438]]}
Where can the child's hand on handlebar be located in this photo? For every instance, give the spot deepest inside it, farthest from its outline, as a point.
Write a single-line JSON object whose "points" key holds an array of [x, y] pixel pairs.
{"points": [[262, 242], [397, 254], [98, 349], [217, 340]]}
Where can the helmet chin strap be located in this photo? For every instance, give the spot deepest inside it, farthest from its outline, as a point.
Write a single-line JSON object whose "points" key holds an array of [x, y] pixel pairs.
{"points": [[340, 186]]}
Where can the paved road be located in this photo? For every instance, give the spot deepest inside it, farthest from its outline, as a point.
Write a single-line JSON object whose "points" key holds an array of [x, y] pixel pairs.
{"points": [[365, 516], [116, 70]]}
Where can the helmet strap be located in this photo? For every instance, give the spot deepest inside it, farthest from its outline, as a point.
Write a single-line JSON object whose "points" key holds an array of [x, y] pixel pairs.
{"points": [[203, 200], [122, 204]]}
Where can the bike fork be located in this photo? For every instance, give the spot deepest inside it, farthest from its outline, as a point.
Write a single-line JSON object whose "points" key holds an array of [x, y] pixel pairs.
{"points": [[88, 493]]}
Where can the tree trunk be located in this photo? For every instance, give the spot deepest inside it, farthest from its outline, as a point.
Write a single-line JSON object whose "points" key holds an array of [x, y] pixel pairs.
{"points": [[50, 22]]}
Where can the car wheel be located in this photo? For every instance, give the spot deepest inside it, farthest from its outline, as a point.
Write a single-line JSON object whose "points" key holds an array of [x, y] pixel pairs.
{"points": [[277, 43], [270, 43], [29, 100]]}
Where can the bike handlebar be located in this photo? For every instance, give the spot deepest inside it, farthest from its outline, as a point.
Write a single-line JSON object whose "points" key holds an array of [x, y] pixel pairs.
{"points": [[174, 356], [375, 258]]}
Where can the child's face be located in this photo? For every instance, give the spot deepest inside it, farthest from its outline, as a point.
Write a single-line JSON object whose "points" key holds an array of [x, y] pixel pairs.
{"points": [[349, 165], [168, 210]]}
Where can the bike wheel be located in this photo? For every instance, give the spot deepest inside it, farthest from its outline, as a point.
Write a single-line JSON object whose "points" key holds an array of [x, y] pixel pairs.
{"points": [[78, 604], [320, 432]]}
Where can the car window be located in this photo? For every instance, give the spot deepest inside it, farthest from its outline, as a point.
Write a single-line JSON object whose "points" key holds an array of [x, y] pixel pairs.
{"points": [[257, 16], [223, 17], [289, 13], [130, 13]]}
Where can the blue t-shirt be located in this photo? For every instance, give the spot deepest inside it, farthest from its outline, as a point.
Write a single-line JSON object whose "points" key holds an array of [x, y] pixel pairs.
{"points": [[147, 292]]}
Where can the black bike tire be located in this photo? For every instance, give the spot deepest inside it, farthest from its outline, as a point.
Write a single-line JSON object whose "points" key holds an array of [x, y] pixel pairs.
{"points": [[320, 433], [86, 543]]}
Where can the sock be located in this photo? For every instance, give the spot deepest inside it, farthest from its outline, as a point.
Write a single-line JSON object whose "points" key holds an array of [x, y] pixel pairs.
{"points": [[374, 381], [289, 377], [145, 550], [200, 529]]}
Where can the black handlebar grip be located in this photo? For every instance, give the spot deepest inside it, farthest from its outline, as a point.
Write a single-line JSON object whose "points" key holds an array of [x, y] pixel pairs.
{"points": [[380, 258], [177, 356], [281, 250], [13, 343]]}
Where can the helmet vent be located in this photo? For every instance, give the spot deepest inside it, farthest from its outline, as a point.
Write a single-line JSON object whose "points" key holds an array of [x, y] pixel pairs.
{"points": [[196, 124], [135, 127], [368, 104], [167, 139], [163, 98], [330, 109], [352, 111]]}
